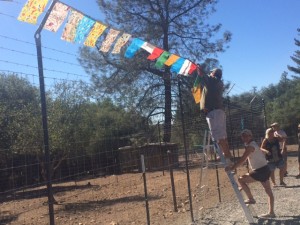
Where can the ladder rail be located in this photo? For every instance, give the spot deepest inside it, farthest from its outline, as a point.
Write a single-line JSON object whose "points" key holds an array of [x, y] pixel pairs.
{"points": [[233, 182]]}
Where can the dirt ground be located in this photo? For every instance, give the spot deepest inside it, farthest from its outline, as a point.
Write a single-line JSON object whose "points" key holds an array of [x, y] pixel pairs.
{"points": [[120, 200]]}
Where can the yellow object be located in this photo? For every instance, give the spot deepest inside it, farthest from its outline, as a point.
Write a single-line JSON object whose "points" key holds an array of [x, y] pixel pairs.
{"points": [[32, 10], [95, 33], [171, 60]]}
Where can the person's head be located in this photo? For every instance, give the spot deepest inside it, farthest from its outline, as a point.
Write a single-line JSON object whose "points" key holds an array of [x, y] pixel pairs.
{"points": [[275, 126], [269, 133], [246, 135], [299, 127], [216, 72]]}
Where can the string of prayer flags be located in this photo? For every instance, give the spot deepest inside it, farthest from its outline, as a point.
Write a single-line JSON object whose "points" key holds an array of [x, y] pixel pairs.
{"points": [[171, 60], [110, 38], [177, 65], [71, 26], [32, 10], [56, 17], [134, 46], [162, 59], [80, 28], [120, 43], [155, 54], [94, 34], [83, 29]]}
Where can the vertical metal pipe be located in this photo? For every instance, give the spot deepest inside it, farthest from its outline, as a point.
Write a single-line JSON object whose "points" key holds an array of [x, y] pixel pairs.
{"points": [[264, 111], [172, 181], [45, 128], [38, 43], [185, 149], [230, 126], [145, 189]]}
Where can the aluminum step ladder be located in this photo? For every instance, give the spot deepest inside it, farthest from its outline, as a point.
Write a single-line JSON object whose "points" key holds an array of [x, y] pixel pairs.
{"points": [[207, 160]]}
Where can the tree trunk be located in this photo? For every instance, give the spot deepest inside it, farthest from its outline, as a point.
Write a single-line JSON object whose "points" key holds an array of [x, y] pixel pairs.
{"points": [[168, 107]]}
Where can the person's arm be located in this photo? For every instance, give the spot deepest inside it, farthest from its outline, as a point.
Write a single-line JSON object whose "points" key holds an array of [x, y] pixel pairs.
{"points": [[281, 135], [248, 151], [263, 147], [284, 149]]}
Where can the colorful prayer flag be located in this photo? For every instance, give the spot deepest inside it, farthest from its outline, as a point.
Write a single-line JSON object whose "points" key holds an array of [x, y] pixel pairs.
{"points": [[162, 59], [133, 47], [71, 26], [120, 43], [155, 54], [94, 34], [148, 47], [83, 28], [57, 15], [185, 68], [192, 68], [32, 10], [110, 38], [177, 65], [172, 59], [197, 90]]}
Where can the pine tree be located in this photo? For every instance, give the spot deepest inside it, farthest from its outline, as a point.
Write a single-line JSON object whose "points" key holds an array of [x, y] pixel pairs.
{"points": [[296, 57], [177, 26]]}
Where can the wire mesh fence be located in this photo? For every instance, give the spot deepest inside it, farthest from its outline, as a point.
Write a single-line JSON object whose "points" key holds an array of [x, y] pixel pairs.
{"points": [[102, 182]]}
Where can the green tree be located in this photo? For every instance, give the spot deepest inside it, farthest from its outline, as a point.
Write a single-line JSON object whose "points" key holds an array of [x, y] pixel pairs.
{"points": [[175, 26], [19, 105], [296, 57]]}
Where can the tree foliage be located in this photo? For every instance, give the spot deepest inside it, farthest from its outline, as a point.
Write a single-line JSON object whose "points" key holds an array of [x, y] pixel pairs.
{"points": [[296, 57], [176, 26]]}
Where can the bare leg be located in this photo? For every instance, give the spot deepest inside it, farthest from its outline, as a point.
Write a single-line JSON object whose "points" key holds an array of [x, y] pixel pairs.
{"points": [[223, 143], [281, 174], [273, 177], [285, 162], [243, 180], [269, 192]]}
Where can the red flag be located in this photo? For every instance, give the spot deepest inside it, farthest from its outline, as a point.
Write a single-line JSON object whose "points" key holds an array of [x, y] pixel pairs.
{"points": [[192, 68], [155, 54]]}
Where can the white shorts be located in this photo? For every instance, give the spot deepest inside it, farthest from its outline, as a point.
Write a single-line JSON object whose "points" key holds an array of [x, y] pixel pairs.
{"points": [[216, 120]]}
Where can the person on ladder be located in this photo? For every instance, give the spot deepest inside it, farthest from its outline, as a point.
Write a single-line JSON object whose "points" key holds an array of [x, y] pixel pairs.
{"points": [[211, 104], [260, 171]]}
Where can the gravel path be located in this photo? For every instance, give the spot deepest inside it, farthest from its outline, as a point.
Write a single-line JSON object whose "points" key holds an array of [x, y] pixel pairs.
{"points": [[287, 204]]}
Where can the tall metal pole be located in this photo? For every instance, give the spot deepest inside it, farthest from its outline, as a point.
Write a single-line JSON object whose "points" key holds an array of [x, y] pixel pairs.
{"points": [[252, 112], [185, 149], [37, 37], [265, 118]]}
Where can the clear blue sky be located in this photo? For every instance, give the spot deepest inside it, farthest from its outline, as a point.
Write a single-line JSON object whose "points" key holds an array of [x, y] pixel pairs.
{"points": [[260, 50]]}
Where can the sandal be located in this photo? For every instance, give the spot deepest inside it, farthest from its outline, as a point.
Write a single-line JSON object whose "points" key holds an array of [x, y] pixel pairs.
{"points": [[250, 201], [267, 215]]}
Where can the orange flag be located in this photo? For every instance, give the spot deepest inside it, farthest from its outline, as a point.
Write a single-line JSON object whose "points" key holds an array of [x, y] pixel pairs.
{"points": [[171, 60]]}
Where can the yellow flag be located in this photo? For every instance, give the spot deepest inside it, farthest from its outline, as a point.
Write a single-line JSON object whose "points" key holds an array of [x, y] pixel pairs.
{"points": [[94, 34], [197, 90], [32, 10]]}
